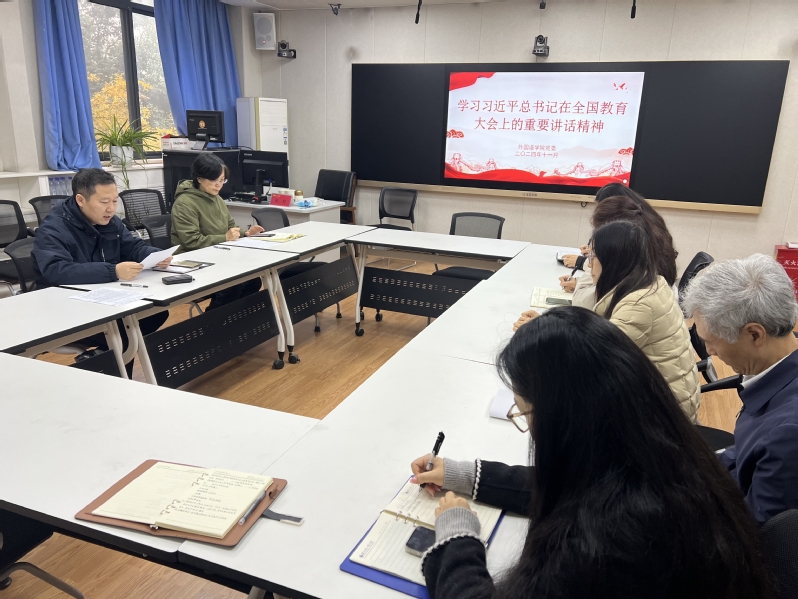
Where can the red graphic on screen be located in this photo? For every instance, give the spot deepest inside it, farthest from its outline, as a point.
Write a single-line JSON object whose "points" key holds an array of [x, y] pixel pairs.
{"points": [[460, 80], [454, 134], [619, 87]]}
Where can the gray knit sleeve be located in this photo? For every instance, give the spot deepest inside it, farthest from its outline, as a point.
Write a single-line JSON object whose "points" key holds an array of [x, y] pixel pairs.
{"points": [[456, 522], [459, 476]]}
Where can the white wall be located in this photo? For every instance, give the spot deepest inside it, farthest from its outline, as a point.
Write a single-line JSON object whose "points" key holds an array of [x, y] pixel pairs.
{"points": [[318, 88]]}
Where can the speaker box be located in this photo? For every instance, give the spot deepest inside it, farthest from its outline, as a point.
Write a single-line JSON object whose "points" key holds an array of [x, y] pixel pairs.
{"points": [[265, 31]]}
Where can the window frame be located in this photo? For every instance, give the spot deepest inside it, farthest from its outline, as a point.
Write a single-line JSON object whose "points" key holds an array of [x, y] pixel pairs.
{"points": [[126, 9]]}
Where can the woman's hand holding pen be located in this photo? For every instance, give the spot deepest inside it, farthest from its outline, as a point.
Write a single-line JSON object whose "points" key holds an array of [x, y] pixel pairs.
{"points": [[433, 478], [568, 283]]}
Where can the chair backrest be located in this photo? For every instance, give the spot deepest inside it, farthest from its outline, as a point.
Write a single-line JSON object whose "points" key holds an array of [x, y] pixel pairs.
{"points": [[336, 186], [697, 264], [12, 223], [477, 224], [396, 202], [43, 204], [20, 252], [780, 540], [141, 203], [270, 218], [159, 229]]}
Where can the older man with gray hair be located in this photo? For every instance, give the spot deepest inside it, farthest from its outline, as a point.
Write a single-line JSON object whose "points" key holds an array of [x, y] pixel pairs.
{"points": [[745, 312]]}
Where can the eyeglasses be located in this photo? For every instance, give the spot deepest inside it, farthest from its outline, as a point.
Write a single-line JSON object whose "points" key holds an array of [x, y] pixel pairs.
{"points": [[591, 255], [519, 418], [219, 182]]}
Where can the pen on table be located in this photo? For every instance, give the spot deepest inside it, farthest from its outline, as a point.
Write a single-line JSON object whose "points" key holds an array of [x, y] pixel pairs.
{"points": [[251, 509], [132, 285], [221, 247], [433, 455]]}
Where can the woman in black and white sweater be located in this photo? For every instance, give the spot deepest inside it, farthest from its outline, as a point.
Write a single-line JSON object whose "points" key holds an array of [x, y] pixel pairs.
{"points": [[625, 499]]}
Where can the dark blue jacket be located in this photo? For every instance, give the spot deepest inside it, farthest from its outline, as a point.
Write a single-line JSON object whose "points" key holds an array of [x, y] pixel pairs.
{"points": [[764, 457], [69, 250]]}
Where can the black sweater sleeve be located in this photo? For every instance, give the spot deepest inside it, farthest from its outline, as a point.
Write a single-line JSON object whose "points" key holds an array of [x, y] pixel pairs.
{"points": [[506, 487], [458, 570]]}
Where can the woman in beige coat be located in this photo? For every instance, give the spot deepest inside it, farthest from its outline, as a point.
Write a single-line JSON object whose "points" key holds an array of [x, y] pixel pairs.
{"points": [[642, 304]]}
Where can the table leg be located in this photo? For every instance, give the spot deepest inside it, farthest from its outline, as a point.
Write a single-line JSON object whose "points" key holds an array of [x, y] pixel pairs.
{"points": [[256, 593], [115, 344], [133, 330], [268, 282], [361, 267], [289, 325]]}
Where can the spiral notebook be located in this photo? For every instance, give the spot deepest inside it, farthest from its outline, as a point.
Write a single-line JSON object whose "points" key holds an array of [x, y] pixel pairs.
{"points": [[183, 501], [382, 551]]}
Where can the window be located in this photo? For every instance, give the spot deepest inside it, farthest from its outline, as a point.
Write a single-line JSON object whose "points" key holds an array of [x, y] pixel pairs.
{"points": [[123, 66]]}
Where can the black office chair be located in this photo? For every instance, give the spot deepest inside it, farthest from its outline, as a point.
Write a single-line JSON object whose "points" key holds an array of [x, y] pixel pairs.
{"points": [[159, 230], [19, 536], [399, 203], [139, 204], [44, 204], [20, 253], [716, 438], [12, 228], [780, 542], [272, 218], [338, 186], [699, 262], [472, 224]]}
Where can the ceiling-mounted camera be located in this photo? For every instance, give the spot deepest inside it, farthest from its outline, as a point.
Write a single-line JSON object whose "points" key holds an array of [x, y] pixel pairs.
{"points": [[283, 51], [541, 48]]}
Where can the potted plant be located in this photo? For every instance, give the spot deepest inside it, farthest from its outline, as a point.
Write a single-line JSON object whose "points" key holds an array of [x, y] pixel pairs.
{"points": [[123, 142]]}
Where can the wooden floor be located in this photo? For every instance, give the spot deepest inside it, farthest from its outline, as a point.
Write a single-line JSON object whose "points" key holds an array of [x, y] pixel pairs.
{"points": [[333, 364]]}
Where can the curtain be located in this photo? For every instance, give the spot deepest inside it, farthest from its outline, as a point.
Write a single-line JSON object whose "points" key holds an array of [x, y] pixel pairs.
{"points": [[66, 104], [199, 64]]}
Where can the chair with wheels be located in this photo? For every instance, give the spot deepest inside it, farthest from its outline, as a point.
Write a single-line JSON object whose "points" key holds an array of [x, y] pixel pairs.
{"points": [[159, 230], [19, 536], [338, 186], [272, 218], [139, 204], [12, 228], [20, 253], [472, 224], [780, 543], [44, 204]]}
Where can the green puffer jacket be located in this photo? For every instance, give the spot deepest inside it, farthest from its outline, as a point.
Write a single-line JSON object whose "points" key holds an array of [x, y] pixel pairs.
{"points": [[199, 219]]}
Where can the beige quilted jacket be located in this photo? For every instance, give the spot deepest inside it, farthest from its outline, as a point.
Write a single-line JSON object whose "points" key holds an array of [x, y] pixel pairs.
{"points": [[652, 319]]}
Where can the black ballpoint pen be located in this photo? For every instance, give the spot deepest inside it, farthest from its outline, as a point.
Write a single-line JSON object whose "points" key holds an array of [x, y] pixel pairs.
{"points": [[434, 454]]}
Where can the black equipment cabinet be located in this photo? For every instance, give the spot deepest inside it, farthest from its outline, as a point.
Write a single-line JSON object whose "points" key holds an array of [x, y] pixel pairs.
{"points": [[177, 166]]}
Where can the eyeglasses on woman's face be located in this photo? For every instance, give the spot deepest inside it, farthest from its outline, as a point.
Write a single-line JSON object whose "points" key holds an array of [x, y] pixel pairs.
{"points": [[518, 418], [219, 182]]}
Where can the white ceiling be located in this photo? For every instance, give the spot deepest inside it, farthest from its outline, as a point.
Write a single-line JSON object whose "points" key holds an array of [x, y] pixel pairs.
{"points": [[306, 4]]}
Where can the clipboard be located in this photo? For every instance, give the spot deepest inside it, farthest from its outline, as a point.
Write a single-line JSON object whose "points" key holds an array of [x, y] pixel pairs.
{"points": [[230, 540]]}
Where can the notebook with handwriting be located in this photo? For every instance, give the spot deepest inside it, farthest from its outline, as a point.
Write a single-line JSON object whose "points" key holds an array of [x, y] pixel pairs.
{"points": [[185, 501], [383, 547]]}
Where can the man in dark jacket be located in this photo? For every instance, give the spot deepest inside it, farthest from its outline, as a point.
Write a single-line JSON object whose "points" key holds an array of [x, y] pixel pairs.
{"points": [[82, 241], [745, 311]]}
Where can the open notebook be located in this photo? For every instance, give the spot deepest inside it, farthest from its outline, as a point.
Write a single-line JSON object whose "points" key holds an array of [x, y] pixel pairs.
{"points": [[383, 548], [203, 501], [540, 295]]}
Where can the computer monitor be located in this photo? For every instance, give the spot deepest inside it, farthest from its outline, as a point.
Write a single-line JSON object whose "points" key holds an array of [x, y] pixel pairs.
{"points": [[204, 126], [258, 168]]}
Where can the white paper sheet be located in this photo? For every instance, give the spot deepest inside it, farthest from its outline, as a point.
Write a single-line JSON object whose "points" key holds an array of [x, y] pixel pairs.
{"points": [[157, 257], [565, 251], [501, 404], [540, 294], [109, 296]]}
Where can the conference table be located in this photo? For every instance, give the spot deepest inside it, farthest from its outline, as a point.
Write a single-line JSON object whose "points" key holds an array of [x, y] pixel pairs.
{"points": [[481, 322], [68, 435], [349, 466], [34, 323], [416, 293], [229, 267]]}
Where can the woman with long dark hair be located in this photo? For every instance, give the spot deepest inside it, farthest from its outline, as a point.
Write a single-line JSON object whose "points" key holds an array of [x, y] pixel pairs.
{"points": [[625, 499]]}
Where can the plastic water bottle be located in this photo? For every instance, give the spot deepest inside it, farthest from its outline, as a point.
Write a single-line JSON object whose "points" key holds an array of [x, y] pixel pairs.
{"points": [[51, 183], [63, 186], [68, 191]]}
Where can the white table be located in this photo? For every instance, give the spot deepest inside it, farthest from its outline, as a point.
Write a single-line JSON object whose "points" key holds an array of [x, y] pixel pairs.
{"points": [[326, 212], [42, 320], [455, 250], [479, 324], [347, 469], [68, 435], [231, 266]]}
